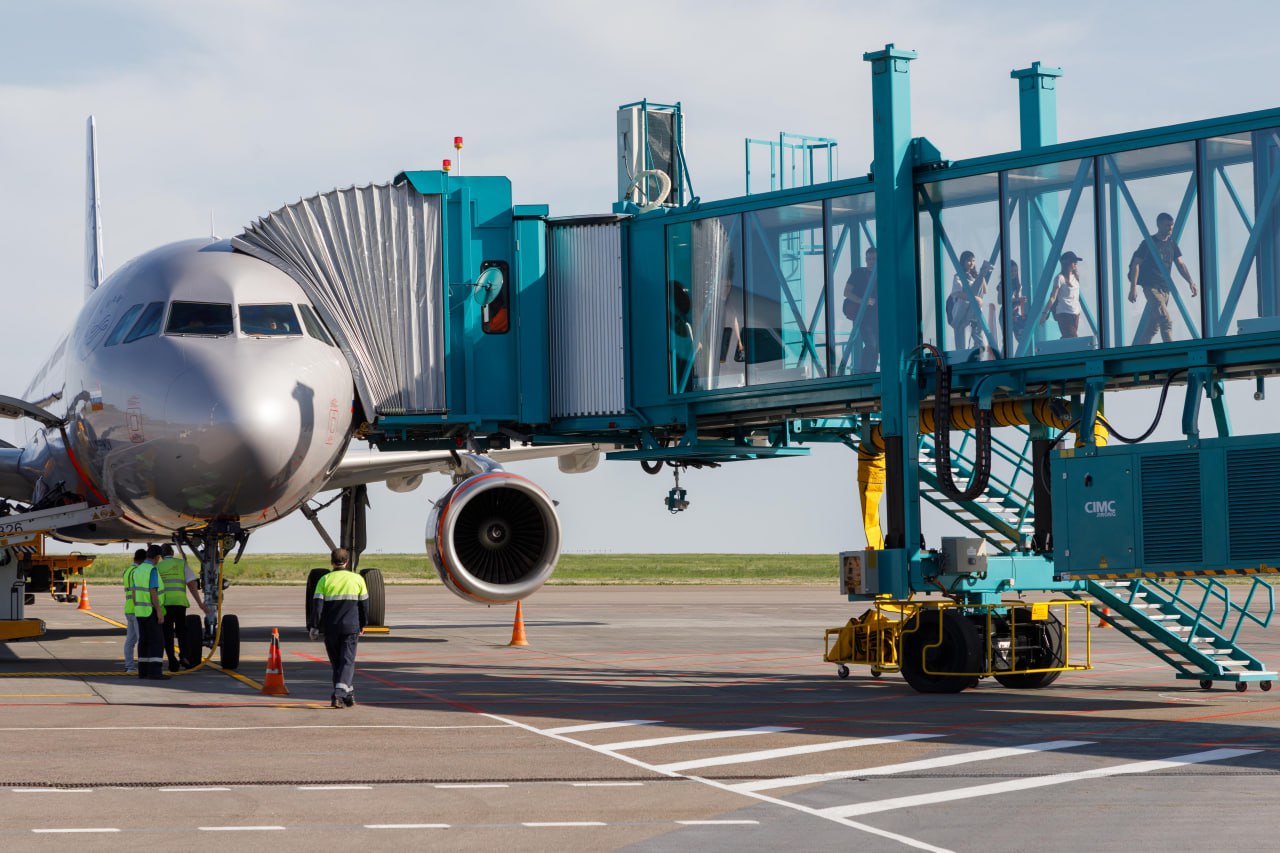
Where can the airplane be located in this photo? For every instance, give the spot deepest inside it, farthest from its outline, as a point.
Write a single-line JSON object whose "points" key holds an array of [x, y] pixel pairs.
{"points": [[199, 396]]}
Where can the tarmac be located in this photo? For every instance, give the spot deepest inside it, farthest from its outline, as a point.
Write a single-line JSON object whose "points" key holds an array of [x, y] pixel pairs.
{"points": [[640, 718]]}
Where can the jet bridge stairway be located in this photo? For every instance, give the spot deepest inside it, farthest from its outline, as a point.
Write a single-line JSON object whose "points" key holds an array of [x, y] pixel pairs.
{"points": [[1196, 633], [1003, 514]]}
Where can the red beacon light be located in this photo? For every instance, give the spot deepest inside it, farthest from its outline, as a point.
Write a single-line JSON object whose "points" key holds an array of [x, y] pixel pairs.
{"points": [[446, 166], [457, 142]]}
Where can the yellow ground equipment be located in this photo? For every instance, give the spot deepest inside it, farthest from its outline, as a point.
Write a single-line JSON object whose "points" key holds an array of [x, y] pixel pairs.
{"points": [[939, 646]]}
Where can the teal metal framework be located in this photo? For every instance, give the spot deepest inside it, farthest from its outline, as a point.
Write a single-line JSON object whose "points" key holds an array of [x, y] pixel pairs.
{"points": [[758, 324], [795, 160]]}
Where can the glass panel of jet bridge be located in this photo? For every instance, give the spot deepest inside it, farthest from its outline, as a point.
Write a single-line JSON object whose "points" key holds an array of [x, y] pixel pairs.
{"points": [[960, 252]]}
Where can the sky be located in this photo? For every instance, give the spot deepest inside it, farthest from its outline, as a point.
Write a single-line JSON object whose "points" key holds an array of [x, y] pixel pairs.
{"points": [[224, 111]]}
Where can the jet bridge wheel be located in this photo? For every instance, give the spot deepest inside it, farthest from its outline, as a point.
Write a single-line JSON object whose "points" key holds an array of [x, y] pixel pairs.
{"points": [[1048, 637], [230, 642], [312, 580], [377, 596], [959, 651]]}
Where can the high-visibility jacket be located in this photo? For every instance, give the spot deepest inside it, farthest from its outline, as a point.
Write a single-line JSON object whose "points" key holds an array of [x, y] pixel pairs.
{"points": [[173, 582], [128, 591], [341, 602], [142, 579]]}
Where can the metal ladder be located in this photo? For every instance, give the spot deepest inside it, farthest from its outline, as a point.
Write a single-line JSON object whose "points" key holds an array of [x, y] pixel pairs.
{"points": [[1193, 626], [1003, 514]]}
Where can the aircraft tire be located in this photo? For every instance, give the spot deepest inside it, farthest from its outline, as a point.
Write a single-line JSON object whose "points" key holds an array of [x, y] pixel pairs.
{"points": [[230, 642], [960, 651], [312, 580], [192, 640], [377, 596]]}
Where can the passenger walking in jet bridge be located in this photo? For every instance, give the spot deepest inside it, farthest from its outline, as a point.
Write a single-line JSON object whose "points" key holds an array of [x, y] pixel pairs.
{"points": [[1018, 304], [341, 609], [1151, 269], [860, 300], [176, 579], [964, 303], [1064, 299], [144, 583], [131, 631]]}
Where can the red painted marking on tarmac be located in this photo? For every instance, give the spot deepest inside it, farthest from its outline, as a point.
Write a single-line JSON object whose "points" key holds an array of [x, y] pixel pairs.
{"points": [[1231, 714]]}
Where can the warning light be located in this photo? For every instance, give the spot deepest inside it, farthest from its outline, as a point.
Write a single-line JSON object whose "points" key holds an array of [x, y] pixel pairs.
{"points": [[447, 165], [457, 142]]}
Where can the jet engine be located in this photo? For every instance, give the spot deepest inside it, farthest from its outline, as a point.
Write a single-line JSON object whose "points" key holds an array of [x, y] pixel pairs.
{"points": [[494, 538]]}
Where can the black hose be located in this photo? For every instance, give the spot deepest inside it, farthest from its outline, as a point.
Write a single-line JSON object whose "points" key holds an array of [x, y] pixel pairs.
{"points": [[942, 439], [1164, 393]]}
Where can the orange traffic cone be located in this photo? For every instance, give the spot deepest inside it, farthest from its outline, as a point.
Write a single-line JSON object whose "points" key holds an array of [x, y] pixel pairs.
{"points": [[517, 632], [1103, 616], [273, 684], [84, 595]]}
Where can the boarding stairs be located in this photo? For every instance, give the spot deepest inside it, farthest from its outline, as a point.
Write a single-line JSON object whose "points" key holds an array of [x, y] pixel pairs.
{"points": [[1190, 623], [1003, 515]]}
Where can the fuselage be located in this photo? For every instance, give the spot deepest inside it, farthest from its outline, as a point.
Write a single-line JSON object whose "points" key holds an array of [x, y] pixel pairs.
{"points": [[197, 384]]}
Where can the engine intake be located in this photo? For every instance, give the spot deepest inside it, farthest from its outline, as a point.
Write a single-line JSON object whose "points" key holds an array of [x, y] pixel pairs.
{"points": [[494, 538]]}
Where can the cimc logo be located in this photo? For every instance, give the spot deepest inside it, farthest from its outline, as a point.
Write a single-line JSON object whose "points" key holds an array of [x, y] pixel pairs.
{"points": [[1100, 509]]}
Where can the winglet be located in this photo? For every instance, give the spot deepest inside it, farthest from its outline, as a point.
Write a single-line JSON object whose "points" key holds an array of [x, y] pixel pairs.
{"points": [[92, 216]]}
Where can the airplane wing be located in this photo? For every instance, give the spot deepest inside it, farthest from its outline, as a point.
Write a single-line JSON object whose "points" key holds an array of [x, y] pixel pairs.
{"points": [[401, 469]]}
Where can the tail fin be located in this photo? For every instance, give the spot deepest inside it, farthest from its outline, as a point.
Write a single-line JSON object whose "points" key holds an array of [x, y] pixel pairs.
{"points": [[92, 216]]}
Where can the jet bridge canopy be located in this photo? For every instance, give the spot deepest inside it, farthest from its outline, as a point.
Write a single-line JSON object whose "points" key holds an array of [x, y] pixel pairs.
{"points": [[370, 258]]}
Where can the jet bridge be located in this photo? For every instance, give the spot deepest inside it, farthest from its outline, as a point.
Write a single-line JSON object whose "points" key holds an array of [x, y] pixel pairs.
{"points": [[1001, 299]]}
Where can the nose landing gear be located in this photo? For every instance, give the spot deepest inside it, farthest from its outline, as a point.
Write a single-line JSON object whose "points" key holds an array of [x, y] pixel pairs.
{"points": [[211, 544]]}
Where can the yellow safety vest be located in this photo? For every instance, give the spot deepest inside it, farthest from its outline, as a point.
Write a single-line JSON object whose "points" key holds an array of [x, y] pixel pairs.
{"points": [[173, 582], [128, 591], [140, 586]]}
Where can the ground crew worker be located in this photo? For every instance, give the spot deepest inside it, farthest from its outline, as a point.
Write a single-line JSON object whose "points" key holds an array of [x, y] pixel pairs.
{"points": [[131, 629], [341, 610], [176, 578], [144, 582]]}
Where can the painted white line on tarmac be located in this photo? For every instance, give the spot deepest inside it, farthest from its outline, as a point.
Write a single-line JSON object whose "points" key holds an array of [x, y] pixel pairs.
{"points": [[764, 798], [1034, 782], [191, 790], [472, 785], [769, 754], [238, 828], [912, 766], [606, 784], [81, 829], [51, 790], [335, 787], [565, 823], [224, 728], [663, 741], [406, 826], [718, 822], [595, 727]]}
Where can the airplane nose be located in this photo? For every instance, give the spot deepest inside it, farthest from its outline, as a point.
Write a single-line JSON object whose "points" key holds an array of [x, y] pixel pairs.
{"points": [[247, 437]]}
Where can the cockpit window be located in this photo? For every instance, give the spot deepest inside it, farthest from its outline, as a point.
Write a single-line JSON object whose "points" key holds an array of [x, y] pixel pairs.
{"points": [[126, 322], [314, 327], [269, 320], [199, 318], [148, 324]]}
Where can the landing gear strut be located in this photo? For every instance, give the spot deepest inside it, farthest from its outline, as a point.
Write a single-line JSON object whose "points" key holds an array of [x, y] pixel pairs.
{"points": [[211, 544]]}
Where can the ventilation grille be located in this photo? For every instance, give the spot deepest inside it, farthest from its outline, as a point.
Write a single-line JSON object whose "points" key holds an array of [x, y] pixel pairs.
{"points": [[1172, 529], [1253, 504]]}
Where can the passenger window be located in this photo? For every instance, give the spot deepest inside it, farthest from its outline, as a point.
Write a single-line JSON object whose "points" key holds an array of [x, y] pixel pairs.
{"points": [[269, 320], [148, 324], [199, 318], [314, 327], [126, 322]]}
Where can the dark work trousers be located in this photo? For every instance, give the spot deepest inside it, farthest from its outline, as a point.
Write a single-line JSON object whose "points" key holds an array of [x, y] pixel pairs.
{"points": [[175, 621], [342, 655], [150, 647]]}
